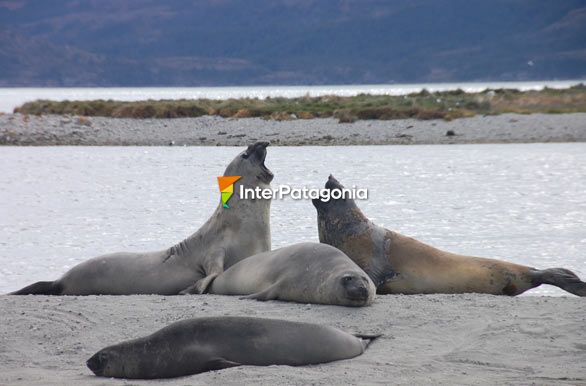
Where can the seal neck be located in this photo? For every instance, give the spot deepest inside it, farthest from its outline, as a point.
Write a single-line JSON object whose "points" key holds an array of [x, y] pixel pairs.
{"points": [[334, 228], [250, 217]]}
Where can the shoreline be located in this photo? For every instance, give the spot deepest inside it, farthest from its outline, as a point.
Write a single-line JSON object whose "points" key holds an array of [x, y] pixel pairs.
{"points": [[439, 339], [55, 130]]}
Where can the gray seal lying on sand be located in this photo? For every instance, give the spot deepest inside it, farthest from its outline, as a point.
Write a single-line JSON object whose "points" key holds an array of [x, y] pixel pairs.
{"points": [[228, 236], [420, 268], [303, 273], [203, 344]]}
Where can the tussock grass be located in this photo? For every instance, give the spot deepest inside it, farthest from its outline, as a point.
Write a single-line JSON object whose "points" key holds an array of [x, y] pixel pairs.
{"points": [[423, 105]]}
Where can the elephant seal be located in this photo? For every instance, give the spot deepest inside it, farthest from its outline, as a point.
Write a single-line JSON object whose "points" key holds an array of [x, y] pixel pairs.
{"points": [[204, 344], [303, 273], [420, 268], [227, 237]]}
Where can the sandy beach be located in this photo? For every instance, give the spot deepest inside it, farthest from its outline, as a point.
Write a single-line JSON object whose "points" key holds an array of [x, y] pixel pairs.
{"points": [[17, 129], [434, 339]]}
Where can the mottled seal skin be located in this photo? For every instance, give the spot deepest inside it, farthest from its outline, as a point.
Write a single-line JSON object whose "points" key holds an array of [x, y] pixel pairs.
{"points": [[303, 273], [203, 344], [423, 269], [227, 237]]}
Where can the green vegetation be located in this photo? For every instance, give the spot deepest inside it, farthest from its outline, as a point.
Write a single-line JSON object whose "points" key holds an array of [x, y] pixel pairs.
{"points": [[423, 105]]}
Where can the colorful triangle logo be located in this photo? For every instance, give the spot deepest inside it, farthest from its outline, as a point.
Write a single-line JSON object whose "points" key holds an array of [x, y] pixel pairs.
{"points": [[226, 184]]}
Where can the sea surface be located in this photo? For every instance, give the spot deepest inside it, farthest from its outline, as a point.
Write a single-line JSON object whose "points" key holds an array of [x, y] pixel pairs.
{"points": [[62, 205], [14, 97]]}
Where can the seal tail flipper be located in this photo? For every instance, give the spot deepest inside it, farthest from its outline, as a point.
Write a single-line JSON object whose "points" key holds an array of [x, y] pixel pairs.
{"points": [[562, 278], [367, 339], [41, 288]]}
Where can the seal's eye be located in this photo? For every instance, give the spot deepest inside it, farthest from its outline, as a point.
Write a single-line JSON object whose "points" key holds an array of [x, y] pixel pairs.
{"points": [[347, 279]]}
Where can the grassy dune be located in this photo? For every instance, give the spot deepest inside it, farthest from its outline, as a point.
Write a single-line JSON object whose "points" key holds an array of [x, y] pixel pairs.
{"points": [[446, 105]]}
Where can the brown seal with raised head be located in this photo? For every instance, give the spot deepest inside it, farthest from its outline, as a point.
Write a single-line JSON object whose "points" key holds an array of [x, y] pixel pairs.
{"points": [[213, 343], [227, 237], [420, 268]]}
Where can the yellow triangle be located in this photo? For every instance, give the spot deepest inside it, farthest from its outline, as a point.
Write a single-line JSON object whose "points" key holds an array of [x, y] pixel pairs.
{"points": [[229, 189]]}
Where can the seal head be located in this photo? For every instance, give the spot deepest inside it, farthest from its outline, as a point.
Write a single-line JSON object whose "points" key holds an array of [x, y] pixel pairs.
{"points": [[358, 290], [101, 363], [250, 164]]}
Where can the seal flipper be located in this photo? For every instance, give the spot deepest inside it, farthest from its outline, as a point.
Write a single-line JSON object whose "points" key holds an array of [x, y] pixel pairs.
{"points": [[219, 364], [380, 270], [213, 266], [264, 295], [380, 275], [562, 278], [41, 288], [201, 286], [367, 339]]}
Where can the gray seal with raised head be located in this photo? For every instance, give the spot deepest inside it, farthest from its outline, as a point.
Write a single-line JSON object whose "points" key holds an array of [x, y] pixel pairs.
{"points": [[303, 273], [227, 237], [213, 343], [420, 268]]}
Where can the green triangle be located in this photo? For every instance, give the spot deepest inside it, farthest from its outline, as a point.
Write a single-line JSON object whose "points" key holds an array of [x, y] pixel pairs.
{"points": [[225, 197]]}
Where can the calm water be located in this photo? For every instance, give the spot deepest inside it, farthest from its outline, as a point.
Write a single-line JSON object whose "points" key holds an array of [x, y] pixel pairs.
{"points": [[62, 205], [14, 97]]}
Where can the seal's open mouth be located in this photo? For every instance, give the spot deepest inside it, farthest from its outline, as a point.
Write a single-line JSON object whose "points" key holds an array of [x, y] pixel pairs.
{"points": [[259, 150]]}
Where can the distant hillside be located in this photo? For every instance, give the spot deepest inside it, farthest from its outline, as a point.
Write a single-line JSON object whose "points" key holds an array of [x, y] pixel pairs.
{"points": [[229, 42]]}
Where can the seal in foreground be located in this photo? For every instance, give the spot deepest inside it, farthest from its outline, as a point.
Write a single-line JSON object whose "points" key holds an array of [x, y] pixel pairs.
{"points": [[303, 273], [228, 236], [420, 268], [203, 344]]}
